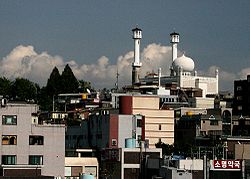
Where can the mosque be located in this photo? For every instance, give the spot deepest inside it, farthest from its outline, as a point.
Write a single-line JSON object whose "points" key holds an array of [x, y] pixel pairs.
{"points": [[182, 74]]}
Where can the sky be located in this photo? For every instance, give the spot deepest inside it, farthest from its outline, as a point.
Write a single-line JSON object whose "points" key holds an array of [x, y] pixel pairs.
{"points": [[95, 38]]}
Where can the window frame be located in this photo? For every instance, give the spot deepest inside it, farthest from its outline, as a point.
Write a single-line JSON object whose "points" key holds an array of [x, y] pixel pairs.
{"points": [[139, 123], [36, 140], [5, 120], [34, 158], [12, 159], [9, 137]]}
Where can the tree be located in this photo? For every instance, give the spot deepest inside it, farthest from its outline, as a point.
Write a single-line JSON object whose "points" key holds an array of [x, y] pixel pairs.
{"points": [[69, 83], [53, 86], [44, 100], [166, 148], [84, 85], [5, 87], [24, 90]]}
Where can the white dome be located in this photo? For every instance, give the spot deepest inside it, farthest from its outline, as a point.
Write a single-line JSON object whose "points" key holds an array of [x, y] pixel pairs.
{"points": [[186, 63]]}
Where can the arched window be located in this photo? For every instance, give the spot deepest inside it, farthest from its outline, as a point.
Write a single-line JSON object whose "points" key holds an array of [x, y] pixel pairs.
{"points": [[9, 140], [12, 140], [5, 140]]}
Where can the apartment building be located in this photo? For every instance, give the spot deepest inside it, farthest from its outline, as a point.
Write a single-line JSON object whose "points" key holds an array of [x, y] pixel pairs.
{"points": [[159, 122], [28, 147], [110, 130], [241, 104]]}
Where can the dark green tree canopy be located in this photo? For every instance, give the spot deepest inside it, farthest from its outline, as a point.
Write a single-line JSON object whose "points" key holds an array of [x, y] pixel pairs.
{"points": [[167, 149], [54, 83], [69, 82], [23, 89], [5, 87]]}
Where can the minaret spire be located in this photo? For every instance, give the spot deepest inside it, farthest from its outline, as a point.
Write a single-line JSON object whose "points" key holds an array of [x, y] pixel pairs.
{"points": [[137, 35], [174, 40]]}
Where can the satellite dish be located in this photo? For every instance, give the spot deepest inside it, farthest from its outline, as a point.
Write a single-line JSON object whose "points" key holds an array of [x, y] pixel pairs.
{"points": [[88, 91]]}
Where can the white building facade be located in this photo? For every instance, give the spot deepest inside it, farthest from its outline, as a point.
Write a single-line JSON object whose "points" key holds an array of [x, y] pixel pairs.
{"points": [[29, 148]]}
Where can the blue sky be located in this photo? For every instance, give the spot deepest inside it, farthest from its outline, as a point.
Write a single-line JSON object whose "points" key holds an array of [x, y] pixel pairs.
{"points": [[88, 33]]}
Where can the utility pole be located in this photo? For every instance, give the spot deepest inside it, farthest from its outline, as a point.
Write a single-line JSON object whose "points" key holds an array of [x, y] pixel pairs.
{"points": [[205, 167]]}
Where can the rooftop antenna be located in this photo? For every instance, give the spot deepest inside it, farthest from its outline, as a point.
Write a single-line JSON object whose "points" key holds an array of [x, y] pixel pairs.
{"points": [[117, 80]]}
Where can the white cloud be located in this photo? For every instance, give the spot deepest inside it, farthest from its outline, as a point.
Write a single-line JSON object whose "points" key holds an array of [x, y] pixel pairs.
{"points": [[156, 56], [244, 72], [24, 61], [226, 78]]}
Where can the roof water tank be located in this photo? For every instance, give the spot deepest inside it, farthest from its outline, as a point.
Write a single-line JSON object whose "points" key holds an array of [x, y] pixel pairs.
{"points": [[130, 143], [86, 176]]}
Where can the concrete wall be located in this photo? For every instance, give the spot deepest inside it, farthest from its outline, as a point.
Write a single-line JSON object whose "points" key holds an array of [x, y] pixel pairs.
{"points": [[206, 126], [190, 164], [125, 127], [242, 151], [53, 149], [199, 102]]}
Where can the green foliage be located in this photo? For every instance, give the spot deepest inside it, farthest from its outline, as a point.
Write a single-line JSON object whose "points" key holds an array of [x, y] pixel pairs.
{"points": [[23, 90], [44, 100], [54, 83], [69, 83], [84, 85], [5, 87], [64, 83], [166, 148]]}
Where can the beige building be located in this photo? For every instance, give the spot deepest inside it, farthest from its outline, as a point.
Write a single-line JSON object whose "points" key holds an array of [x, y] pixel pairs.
{"points": [[159, 123], [82, 162]]}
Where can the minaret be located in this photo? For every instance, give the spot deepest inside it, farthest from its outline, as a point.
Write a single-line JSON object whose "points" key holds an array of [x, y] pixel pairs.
{"points": [[159, 77], [174, 40], [137, 35]]}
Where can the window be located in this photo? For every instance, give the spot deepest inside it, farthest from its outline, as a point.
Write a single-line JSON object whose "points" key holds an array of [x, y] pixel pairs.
{"points": [[159, 127], [114, 142], [91, 170], [36, 140], [8, 159], [139, 123], [35, 160], [9, 140], [239, 97], [214, 123], [75, 170], [239, 88], [9, 119]]}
